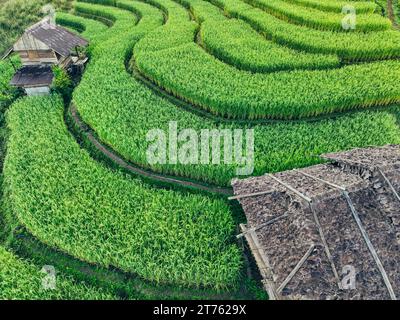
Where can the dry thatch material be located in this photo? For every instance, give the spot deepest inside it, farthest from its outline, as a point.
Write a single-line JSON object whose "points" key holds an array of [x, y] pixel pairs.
{"points": [[313, 224]]}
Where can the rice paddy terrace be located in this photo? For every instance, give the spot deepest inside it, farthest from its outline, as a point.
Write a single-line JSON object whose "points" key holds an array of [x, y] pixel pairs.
{"points": [[78, 191]]}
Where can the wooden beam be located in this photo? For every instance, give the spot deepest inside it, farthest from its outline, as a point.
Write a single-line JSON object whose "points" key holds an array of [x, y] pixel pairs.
{"points": [[301, 195], [296, 268], [325, 244], [249, 195], [262, 263], [389, 183], [370, 247], [321, 180], [271, 221]]}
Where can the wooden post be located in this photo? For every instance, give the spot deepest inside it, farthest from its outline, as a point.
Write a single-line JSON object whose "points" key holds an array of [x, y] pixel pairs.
{"points": [[77, 52]]}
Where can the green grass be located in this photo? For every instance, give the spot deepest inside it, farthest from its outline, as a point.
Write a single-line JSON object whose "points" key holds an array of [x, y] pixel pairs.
{"points": [[16, 15], [22, 280]]}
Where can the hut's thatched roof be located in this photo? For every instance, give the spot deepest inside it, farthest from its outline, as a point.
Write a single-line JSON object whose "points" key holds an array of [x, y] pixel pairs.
{"points": [[57, 38]]}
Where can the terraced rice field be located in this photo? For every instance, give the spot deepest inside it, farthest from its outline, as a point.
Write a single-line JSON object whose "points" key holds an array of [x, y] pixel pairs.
{"points": [[21, 280], [76, 178]]}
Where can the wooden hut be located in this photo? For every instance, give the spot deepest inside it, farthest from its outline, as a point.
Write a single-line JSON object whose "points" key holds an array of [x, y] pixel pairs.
{"points": [[42, 46]]}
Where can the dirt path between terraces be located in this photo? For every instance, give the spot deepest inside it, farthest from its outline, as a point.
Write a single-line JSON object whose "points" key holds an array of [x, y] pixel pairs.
{"points": [[115, 158]]}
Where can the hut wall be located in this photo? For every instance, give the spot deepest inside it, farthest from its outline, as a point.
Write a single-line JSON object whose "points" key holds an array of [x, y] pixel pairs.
{"points": [[30, 57], [37, 91]]}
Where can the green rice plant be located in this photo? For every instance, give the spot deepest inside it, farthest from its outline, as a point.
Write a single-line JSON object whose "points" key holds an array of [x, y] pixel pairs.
{"points": [[22, 280], [128, 260], [112, 3], [7, 93], [174, 12], [70, 202], [186, 71], [144, 16], [89, 28], [122, 119], [99, 12], [203, 10], [348, 46], [337, 5], [236, 43], [65, 5], [121, 110], [320, 20]]}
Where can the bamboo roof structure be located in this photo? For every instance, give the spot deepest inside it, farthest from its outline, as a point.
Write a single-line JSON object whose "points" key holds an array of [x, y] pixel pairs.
{"points": [[330, 231]]}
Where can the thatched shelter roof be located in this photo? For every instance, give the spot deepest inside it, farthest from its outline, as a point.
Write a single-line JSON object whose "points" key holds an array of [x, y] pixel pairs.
{"points": [[33, 76], [310, 229]]}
